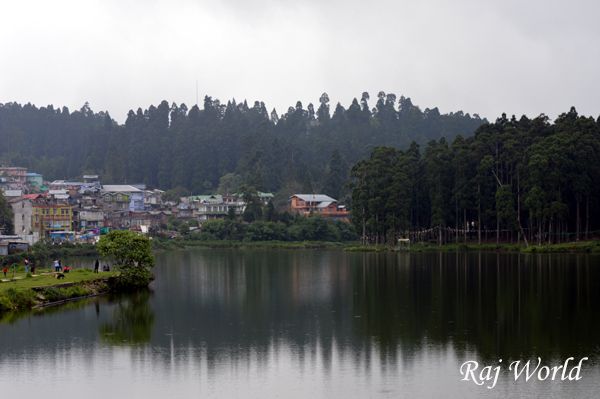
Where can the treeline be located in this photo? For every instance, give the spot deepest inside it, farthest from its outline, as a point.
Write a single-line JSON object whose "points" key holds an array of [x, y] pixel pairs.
{"points": [[515, 179], [313, 228], [305, 149]]}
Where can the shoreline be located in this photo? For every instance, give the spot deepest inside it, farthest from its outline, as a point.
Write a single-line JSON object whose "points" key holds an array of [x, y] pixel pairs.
{"points": [[20, 295], [591, 246], [158, 245]]}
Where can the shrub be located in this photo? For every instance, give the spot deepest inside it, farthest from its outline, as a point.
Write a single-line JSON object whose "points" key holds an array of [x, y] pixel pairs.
{"points": [[13, 299]]}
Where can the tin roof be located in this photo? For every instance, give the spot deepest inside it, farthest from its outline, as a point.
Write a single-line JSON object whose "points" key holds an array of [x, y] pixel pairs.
{"points": [[120, 188], [314, 197]]}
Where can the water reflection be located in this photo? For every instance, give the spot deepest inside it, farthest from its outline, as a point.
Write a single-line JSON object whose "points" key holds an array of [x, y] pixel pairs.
{"points": [[496, 305], [354, 320], [131, 321], [500, 305]]}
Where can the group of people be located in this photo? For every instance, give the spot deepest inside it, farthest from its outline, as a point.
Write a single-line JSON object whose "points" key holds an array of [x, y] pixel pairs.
{"points": [[57, 265], [29, 267]]}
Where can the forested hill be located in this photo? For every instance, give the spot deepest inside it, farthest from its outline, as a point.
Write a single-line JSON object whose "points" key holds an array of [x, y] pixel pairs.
{"points": [[306, 149], [514, 178]]}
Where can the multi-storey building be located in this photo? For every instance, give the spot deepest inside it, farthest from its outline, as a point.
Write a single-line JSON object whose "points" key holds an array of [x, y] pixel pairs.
{"points": [[22, 215], [49, 215], [205, 207], [13, 177], [123, 196]]}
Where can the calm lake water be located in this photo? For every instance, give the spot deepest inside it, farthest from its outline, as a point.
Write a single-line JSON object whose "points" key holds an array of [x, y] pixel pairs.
{"points": [[314, 324]]}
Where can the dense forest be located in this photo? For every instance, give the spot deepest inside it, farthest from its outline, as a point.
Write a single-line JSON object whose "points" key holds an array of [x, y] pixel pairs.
{"points": [[515, 179], [306, 149]]}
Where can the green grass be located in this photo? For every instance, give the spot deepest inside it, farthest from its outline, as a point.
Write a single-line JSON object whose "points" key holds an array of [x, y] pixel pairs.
{"points": [[576, 246], [570, 247], [367, 248], [47, 280], [182, 243]]}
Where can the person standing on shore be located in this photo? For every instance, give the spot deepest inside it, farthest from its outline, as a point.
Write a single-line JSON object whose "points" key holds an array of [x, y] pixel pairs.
{"points": [[26, 261], [96, 265]]}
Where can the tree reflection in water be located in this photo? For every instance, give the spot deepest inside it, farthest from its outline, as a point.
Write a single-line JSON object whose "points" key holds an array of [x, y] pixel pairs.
{"points": [[507, 306], [132, 321]]}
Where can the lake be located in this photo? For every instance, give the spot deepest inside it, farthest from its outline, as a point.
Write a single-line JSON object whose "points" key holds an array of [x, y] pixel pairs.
{"points": [[231, 323]]}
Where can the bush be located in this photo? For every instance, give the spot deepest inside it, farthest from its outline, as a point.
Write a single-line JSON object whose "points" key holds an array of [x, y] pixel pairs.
{"points": [[74, 291], [266, 231], [223, 229], [51, 294], [313, 228], [13, 299]]}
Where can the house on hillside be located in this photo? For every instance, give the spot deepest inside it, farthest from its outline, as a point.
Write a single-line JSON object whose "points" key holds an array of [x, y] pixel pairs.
{"points": [[153, 198], [72, 187], [13, 177], [89, 218], [22, 209], [51, 216], [205, 207], [318, 204], [121, 194], [35, 181], [12, 194]]}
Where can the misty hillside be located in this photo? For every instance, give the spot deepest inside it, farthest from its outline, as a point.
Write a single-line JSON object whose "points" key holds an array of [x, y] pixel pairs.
{"points": [[171, 146]]}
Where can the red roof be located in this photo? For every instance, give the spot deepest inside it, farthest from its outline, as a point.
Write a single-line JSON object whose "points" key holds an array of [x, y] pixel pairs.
{"points": [[32, 196]]}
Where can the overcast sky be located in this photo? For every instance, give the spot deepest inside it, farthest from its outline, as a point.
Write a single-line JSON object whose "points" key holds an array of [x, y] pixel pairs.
{"points": [[486, 57]]}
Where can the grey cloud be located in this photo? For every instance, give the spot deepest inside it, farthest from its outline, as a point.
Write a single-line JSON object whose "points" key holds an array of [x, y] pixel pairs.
{"points": [[484, 57]]}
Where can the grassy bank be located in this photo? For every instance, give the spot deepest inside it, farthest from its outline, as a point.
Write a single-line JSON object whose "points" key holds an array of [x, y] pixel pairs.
{"points": [[160, 244], [571, 247], [26, 291], [577, 246]]}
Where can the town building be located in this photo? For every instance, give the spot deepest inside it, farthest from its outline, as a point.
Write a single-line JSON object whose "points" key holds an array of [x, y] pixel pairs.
{"points": [[22, 209], [13, 177], [214, 206], [89, 218], [12, 244], [71, 186], [12, 194], [59, 195], [49, 215], [35, 181], [123, 196], [91, 179], [317, 204], [153, 198]]}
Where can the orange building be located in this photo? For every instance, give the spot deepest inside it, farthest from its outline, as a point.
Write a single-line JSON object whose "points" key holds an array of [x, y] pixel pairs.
{"points": [[317, 204]]}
